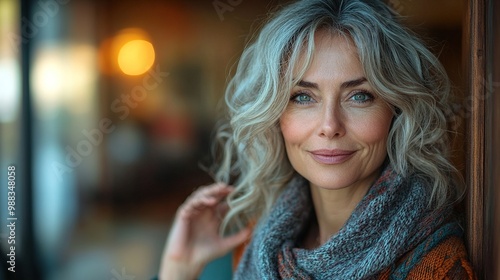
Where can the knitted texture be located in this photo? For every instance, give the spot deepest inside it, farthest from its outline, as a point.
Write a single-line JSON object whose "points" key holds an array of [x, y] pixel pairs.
{"points": [[391, 220], [447, 260]]}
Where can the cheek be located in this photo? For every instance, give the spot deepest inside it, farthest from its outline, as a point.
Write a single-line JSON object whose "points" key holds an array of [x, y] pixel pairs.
{"points": [[289, 129], [296, 126], [376, 130]]}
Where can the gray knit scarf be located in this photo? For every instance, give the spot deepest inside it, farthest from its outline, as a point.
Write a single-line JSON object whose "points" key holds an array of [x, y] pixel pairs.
{"points": [[392, 219]]}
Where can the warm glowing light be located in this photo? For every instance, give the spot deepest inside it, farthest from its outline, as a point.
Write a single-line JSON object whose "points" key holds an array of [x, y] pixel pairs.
{"points": [[136, 57], [64, 76]]}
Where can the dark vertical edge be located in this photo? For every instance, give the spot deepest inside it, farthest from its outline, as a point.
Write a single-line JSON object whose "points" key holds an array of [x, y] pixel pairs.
{"points": [[494, 126], [474, 66], [489, 148], [466, 49], [28, 263]]}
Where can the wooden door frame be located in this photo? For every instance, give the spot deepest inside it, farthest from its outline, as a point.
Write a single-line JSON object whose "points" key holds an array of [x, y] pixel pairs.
{"points": [[482, 69], [473, 36], [492, 264]]}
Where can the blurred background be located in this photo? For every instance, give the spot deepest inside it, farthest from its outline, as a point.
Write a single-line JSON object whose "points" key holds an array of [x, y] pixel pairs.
{"points": [[107, 110]]}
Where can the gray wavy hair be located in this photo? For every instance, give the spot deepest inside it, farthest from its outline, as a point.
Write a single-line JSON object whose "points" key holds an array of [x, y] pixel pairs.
{"points": [[397, 65]]}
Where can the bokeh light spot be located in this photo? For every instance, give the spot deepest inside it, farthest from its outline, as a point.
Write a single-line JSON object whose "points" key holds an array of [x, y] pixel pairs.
{"points": [[136, 57]]}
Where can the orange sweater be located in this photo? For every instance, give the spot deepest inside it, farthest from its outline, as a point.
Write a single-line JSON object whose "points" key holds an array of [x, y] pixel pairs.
{"points": [[448, 260]]}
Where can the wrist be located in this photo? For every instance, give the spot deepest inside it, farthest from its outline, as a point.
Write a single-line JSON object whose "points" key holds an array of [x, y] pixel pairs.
{"points": [[177, 270]]}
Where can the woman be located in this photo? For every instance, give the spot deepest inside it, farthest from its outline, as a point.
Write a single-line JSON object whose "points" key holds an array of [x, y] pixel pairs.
{"points": [[338, 147]]}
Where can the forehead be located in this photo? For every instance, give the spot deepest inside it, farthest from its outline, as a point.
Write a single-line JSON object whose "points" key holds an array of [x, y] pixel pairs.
{"points": [[326, 38], [332, 55]]}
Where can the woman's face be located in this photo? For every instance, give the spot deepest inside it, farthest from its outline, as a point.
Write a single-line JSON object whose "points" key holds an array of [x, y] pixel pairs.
{"points": [[335, 127]]}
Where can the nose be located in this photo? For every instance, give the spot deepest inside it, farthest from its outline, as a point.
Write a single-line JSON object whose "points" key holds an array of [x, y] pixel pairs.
{"points": [[332, 122]]}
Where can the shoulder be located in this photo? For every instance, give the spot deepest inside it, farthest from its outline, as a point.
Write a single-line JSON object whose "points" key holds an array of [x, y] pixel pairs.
{"points": [[447, 260]]}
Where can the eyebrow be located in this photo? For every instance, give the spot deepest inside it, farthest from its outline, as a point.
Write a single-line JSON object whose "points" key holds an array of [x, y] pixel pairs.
{"points": [[344, 85]]}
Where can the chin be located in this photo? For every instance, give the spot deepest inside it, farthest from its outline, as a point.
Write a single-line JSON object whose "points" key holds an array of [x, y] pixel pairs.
{"points": [[330, 181], [340, 179]]}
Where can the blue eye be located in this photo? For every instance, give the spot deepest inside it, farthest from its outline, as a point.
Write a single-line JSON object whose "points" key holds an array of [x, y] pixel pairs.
{"points": [[362, 97], [301, 98]]}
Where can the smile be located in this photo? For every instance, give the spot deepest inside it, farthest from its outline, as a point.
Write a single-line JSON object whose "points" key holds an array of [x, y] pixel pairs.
{"points": [[331, 156]]}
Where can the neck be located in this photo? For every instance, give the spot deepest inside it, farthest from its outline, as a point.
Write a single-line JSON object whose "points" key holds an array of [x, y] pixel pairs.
{"points": [[334, 207]]}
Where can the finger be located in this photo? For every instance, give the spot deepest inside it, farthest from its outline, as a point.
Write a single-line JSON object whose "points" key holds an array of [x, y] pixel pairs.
{"points": [[230, 242], [222, 209], [192, 209], [214, 190], [204, 197], [204, 200], [196, 206], [218, 191]]}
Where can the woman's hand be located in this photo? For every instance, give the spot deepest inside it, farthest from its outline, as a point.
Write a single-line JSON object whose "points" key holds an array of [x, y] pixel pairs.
{"points": [[194, 238]]}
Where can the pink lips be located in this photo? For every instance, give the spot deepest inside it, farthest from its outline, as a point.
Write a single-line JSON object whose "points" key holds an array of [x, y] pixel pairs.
{"points": [[331, 156]]}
